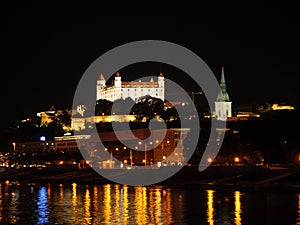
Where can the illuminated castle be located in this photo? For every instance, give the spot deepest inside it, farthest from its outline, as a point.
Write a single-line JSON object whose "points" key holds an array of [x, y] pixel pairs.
{"points": [[223, 103], [134, 89]]}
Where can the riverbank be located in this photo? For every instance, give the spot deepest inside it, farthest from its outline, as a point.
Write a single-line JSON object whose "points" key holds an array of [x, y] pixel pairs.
{"points": [[254, 177]]}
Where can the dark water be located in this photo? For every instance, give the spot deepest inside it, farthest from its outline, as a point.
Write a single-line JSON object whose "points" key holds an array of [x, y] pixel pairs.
{"points": [[119, 204]]}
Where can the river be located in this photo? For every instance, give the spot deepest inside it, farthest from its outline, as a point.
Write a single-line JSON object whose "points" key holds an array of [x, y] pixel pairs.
{"points": [[23, 203]]}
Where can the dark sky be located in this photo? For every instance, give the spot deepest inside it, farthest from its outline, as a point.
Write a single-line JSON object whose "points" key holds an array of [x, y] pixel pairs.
{"points": [[45, 50]]}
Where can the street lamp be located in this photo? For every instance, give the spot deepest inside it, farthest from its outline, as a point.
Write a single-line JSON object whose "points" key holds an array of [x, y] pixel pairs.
{"points": [[145, 149], [130, 156], [14, 144]]}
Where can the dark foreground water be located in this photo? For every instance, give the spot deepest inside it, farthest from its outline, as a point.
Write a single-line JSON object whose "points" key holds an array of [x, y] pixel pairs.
{"points": [[119, 204]]}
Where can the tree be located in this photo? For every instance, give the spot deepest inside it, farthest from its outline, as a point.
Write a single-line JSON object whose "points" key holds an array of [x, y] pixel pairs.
{"points": [[120, 106], [103, 107]]}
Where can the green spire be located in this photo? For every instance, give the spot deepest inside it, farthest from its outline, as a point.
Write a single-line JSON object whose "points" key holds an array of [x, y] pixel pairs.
{"points": [[222, 76], [223, 95]]}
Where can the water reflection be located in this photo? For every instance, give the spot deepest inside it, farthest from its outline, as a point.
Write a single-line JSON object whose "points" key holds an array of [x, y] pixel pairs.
{"points": [[42, 208], [121, 204], [237, 208], [298, 219], [210, 207]]}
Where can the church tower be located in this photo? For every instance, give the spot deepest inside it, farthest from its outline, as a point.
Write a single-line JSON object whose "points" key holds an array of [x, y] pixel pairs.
{"points": [[223, 103]]}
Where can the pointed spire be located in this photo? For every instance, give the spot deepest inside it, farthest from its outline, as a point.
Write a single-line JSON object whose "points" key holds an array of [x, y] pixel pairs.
{"points": [[222, 76], [118, 74], [160, 75], [101, 77]]}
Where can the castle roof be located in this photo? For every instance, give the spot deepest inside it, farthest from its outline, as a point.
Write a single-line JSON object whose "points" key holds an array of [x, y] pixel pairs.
{"points": [[101, 77]]}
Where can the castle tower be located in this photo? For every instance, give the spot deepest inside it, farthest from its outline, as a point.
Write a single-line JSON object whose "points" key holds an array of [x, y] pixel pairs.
{"points": [[118, 82], [223, 103], [100, 85], [161, 85]]}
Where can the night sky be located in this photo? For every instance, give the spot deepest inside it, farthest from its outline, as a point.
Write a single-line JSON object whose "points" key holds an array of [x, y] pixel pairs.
{"points": [[46, 50]]}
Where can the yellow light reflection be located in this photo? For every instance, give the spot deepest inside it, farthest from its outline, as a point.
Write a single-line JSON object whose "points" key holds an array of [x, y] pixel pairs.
{"points": [[141, 205], [157, 206], [168, 207], [1, 204], [107, 203], [87, 206], [74, 202], [125, 206], [298, 219], [96, 211], [61, 194], [95, 198], [237, 208], [74, 195], [49, 191], [210, 207], [117, 204]]}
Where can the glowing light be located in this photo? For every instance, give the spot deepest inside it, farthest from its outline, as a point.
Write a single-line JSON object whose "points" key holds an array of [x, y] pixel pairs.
{"points": [[141, 205], [107, 210], [237, 208], [61, 162], [209, 160], [210, 207], [42, 206], [164, 157], [125, 161], [125, 206], [87, 205], [298, 219], [236, 159], [42, 138]]}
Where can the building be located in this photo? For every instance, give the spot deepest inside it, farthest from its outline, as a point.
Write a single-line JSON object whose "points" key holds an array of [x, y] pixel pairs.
{"points": [[133, 89], [157, 152], [223, 103]]}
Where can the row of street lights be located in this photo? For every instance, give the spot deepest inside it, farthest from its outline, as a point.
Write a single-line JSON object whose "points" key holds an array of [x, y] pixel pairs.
{"points": [[136, 148]]}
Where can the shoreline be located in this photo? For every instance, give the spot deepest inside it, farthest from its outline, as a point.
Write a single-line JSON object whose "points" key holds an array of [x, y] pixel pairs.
{"points": [[214, 177]]}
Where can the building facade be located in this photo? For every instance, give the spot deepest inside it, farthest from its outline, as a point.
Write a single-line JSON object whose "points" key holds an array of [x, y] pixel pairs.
{"points": [[223, 103], [133, 89]]}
